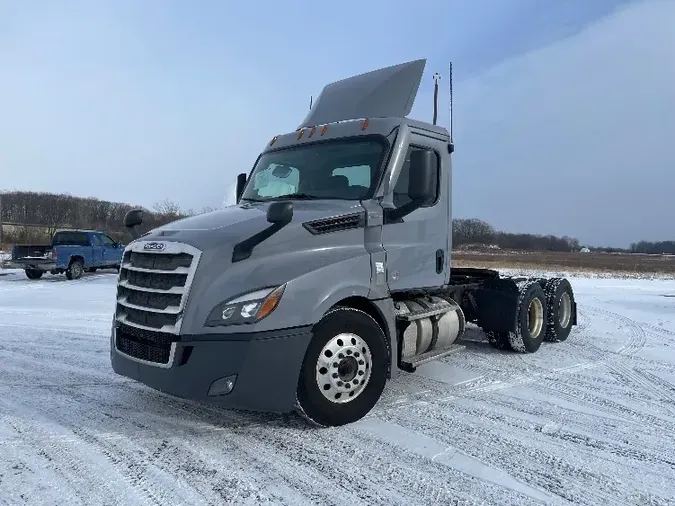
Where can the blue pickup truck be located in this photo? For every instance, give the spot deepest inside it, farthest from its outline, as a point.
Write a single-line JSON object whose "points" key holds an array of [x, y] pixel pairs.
{"points": [[71, 251]]}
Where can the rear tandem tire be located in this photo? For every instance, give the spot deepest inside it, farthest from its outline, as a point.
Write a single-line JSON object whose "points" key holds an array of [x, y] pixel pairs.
{"points": [[560, 303], [33, 274], [344, 370], [530, 321]]}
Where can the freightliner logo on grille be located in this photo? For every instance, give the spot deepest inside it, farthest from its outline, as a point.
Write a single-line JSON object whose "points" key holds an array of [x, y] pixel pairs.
{"points": [[153, 246]]}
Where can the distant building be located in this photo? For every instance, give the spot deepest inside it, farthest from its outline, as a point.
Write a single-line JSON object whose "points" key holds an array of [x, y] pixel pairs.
{"points": [[584, 250]]}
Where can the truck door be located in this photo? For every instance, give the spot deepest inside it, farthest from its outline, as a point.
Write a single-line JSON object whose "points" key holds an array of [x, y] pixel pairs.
{"points": [[96, 251], [111, 252], [417, 247]]}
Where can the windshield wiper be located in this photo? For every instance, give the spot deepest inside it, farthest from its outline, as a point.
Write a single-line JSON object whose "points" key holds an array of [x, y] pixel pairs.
{"points": [[298, 196]]}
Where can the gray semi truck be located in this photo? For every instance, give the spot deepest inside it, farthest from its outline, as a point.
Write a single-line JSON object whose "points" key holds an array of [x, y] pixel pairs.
{"points": [[329, 275]]}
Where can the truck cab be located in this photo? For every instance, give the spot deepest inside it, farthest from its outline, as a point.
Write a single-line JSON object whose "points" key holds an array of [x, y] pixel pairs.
{"points": [[331, 274]]}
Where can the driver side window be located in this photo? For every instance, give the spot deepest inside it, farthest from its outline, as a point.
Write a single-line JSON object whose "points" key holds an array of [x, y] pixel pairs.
{"points": [[401, 188], [107, 241]]}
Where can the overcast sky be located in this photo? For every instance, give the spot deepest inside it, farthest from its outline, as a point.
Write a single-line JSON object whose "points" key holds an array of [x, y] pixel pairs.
{"points": [[564, 111]]}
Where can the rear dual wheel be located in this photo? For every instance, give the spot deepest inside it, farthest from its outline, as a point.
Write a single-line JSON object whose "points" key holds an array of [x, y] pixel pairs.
{"points": [[560, 302], [530, 321], [545, 313]]}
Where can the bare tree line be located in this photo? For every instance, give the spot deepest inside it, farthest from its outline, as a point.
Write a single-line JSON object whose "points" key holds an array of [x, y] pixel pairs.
{"points": [[35, 216], [474, 232], [654, 248]]}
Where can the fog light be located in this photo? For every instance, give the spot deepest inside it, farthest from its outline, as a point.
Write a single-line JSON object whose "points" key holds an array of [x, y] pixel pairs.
{"points": [[222, 386]]}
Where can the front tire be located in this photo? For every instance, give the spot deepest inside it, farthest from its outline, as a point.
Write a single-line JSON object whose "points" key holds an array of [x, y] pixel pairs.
{"points": [[344, 370]]}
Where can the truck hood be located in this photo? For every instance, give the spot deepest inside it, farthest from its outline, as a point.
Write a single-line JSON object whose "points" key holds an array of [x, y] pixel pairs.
{"points": [[290, 253], [242, 220], [219, 231]]}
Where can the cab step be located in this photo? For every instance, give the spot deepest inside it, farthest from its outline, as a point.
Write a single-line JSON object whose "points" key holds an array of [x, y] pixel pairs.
{"points": [[430, 356]]}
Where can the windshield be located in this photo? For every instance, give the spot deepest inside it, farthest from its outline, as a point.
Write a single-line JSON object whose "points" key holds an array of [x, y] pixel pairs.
{"points": [[346, 170]]}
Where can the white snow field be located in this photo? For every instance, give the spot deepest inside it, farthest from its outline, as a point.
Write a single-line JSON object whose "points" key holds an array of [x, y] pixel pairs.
{"points": [[587, 421]]}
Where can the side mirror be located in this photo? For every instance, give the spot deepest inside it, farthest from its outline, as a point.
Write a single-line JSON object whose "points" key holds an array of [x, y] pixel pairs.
{"points": [[241, 183], [132, 219], [280, 212], [423, 176], [422, 184]]}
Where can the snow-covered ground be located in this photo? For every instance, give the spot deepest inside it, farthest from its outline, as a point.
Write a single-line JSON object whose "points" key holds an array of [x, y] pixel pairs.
{"points": [[588, 421]]}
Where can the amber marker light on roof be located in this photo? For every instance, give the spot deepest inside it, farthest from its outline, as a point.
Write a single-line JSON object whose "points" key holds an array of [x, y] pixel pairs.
{"points": [[324, 129], [274, 139], [311, 132], [364, 125]]}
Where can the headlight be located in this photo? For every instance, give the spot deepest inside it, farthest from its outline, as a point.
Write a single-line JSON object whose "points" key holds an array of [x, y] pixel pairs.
{"points": [[249, 308]]}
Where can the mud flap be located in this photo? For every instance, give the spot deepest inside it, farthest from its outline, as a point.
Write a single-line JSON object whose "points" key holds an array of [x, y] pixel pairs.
{"points": [[574, 313], [497, 305]]}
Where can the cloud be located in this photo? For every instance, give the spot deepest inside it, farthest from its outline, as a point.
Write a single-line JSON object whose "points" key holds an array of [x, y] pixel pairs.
{"points": [[575, 138]]}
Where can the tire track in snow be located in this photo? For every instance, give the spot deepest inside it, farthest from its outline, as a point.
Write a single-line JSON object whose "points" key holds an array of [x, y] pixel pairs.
{"points": [[649, 384], [63, 457], [637, 335], [164, 430], [515, 455], [636, 342], [594, 434], [61, 414], [502, 369], [324, 453], [207, 455], [269, 447]]}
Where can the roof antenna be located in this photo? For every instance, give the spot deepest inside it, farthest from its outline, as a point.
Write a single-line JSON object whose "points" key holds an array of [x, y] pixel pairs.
{"points": [[451, 138], [311, 99], [437, 76]]}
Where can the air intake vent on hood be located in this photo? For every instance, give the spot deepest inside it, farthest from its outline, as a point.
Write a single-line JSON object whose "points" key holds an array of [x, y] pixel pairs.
{"points": [[336, 223]]}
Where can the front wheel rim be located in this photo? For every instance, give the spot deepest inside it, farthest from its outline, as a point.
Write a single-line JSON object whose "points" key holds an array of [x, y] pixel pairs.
{"points": [[343, 368]]}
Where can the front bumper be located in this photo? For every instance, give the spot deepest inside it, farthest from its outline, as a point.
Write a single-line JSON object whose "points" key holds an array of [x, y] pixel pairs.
{"points": [[263, 366]]}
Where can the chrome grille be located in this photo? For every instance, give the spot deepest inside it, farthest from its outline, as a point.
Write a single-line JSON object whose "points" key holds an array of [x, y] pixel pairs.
{"points": [[152, 290]]}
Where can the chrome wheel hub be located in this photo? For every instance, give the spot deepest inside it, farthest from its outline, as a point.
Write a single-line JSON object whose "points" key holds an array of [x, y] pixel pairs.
{"points": [[343, 368]]}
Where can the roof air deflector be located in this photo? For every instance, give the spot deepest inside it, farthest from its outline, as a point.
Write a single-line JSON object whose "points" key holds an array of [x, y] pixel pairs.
{"points": [[387, 92]]}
